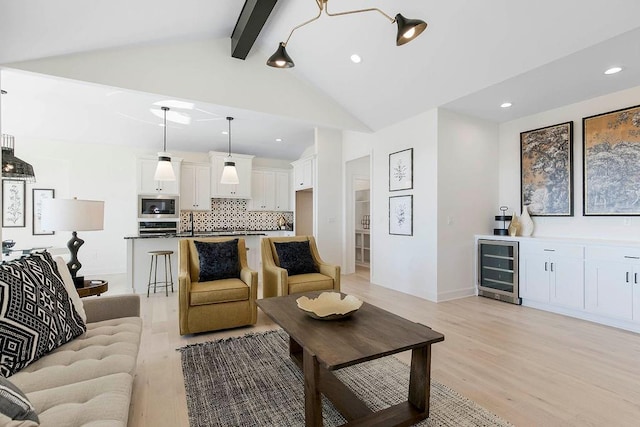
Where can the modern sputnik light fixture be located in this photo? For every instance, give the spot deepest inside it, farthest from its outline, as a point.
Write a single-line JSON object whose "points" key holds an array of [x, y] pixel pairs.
{"points": [[229, 173], [164, 170], [408, 29]]}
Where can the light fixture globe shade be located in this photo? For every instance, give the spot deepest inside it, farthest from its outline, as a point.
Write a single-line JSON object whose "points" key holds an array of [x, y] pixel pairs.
{"points": [[280, 59], [408, 29], [164, 170], [229, 173]]}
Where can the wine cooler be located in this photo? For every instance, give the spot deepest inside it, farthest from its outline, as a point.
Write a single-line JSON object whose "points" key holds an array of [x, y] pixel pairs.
{"points": [[498, 270]]}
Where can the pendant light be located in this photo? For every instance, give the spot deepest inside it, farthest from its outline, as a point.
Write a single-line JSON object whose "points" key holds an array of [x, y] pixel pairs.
{"points": [[229, 173], [164, 170], [408, 29], [13, 167]]}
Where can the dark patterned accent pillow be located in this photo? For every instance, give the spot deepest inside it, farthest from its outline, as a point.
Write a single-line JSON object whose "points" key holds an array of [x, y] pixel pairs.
{"points": [[218, 260], [295, 257], [36, 313], [14, 404]]}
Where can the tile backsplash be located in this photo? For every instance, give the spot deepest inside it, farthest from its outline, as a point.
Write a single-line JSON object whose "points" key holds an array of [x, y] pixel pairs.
{"points": [[232, 214]]}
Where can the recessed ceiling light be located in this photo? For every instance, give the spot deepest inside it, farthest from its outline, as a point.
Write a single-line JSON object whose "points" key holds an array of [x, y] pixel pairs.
{"points": [[505, 105], [613, 70], [224, 132], [278, 139], [356, 59]]}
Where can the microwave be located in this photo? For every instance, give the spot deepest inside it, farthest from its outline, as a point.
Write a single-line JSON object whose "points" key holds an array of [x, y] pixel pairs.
{"points": [[158, 206]]}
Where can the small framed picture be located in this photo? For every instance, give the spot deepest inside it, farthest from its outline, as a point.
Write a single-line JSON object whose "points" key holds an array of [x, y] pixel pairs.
{"points": [[40, 194], [401, 215], [13, 203], [401, 170]]}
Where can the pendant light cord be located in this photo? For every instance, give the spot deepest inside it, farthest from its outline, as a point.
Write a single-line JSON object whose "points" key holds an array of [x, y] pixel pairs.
{"points": [[165, 109], [229, 119]]}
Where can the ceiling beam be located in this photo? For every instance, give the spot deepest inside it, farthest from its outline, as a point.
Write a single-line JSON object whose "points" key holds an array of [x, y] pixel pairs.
{"points": [[250, 22]]}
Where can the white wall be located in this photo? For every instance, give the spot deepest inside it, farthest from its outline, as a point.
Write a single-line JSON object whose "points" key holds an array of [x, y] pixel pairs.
{"points": [[616, 228], [467, 197], [327, 192]]}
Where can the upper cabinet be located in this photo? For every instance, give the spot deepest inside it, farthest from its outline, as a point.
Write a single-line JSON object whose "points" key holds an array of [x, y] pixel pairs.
{"points": [[302, 173], [242, 190], [148, 185], [195, 187], [269, 190]]}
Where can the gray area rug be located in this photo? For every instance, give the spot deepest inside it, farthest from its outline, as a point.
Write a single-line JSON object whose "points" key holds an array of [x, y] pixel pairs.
{"points": [[251, 381]]}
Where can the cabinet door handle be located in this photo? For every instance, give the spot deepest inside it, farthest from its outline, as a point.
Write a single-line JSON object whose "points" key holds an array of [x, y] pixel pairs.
{"points": [[549, 250], [545, 266], [635, 278], [627, 277], [551, 266], [632, 257]]}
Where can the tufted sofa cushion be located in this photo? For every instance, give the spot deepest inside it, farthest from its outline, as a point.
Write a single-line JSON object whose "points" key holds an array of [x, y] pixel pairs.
{"points": [[87, 380]]}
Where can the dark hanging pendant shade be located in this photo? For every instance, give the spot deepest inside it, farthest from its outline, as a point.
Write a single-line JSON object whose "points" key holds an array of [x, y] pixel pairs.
{"points": [[408, 29], [280, 59], [12, 166]]}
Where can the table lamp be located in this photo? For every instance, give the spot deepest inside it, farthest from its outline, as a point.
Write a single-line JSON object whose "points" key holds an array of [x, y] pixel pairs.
{"points": [[73, 215]]}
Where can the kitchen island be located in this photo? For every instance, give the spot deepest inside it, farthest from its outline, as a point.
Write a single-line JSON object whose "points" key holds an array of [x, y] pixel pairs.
{"points": [[138, 258]]}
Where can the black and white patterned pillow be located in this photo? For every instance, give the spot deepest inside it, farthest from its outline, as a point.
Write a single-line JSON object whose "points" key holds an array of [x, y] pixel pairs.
{"points": [[36, 313], [14, 404], [295, 257]]}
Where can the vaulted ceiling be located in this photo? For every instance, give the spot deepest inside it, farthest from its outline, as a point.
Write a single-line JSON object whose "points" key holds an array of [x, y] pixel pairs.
{"points": [[473, 56]]}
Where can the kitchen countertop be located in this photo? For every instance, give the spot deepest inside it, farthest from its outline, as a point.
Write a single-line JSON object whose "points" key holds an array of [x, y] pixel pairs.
{"points": [[205, 234]]}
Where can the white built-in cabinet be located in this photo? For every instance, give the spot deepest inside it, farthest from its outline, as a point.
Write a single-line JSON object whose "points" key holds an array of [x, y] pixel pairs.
{"points": [[195, 187], [552, 273], [269, 190], [242, 190], [613, 282], [303, 173], [148, 185], [597, 280]]}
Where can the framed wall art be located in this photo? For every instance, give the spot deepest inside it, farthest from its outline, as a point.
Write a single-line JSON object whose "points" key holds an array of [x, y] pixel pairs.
{"points": [[611, 177], [401, 215], [13, 202], [40, 194], [401, 170], [546, 170]]}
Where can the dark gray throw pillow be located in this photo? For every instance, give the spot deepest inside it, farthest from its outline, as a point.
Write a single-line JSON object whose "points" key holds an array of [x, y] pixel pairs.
{"points": [[14, 404], [218, 260], [36, 313], [295, 257]]}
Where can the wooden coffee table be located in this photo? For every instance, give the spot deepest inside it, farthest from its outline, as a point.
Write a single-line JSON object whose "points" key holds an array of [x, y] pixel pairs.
{"points": [[321, 346]]}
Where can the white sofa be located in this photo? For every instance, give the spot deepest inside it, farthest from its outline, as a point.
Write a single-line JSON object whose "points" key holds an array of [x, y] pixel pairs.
{"points": [[88, 380]]}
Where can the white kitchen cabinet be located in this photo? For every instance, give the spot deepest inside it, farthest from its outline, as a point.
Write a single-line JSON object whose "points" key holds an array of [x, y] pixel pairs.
{"points": [[195, 187], [613, 282], [302, 173], [552, 273], [148, 185], [283, 191], [242, 190], [269, 190], [263, 191]]}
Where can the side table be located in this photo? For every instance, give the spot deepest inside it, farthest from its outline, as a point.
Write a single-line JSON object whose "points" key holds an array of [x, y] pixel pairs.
{"points": [[93, 287]]}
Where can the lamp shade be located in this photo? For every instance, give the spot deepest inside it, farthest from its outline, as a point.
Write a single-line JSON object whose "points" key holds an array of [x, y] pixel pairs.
{"points": [[280, 59], [72, 215], [408, 29], [164, 170], [229, 173]]}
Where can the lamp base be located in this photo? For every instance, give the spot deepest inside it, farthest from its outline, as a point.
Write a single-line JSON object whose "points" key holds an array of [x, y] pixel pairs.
{"points": [[78, 281]]}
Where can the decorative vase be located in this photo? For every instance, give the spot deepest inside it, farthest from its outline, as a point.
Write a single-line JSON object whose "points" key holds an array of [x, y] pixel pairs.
{"points": [[526, 223], [514, 225]]}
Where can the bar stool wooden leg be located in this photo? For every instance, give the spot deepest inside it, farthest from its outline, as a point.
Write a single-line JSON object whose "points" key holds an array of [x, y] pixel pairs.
{"points": [[170, 273]]}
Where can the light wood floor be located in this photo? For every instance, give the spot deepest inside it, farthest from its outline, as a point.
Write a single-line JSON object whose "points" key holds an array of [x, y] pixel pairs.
{"points": [[530, 367]]}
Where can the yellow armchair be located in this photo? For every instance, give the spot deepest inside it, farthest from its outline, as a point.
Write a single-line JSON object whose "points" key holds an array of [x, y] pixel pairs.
{"points": [[277, 282], [216, 304]]}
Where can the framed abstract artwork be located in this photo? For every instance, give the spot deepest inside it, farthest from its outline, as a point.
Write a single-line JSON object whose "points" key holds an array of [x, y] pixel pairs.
{"points": [[13, 203], [546, 170], [40, 194], [401, 215], [401, 170], [611, 177]]}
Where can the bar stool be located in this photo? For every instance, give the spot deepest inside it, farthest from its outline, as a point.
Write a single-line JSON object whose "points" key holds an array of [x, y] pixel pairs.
{"points": [[153, 271]]}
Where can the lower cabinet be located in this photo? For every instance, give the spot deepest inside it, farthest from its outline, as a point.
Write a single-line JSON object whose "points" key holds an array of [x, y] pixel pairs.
{"points": [[613, 282]]}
